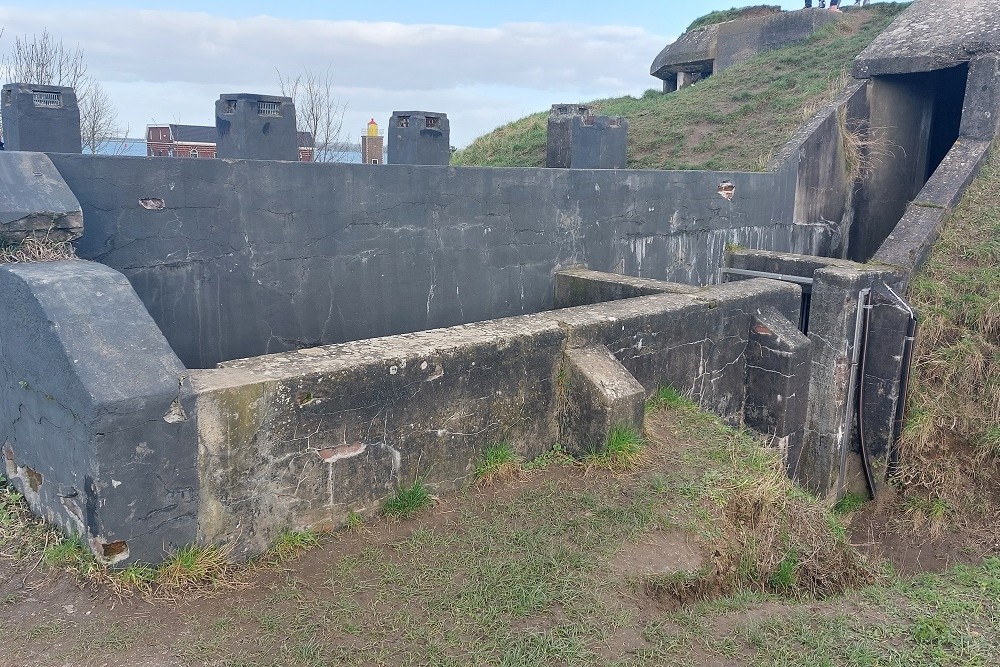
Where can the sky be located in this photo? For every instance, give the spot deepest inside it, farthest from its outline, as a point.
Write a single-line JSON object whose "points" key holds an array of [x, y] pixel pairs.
{"points": [[482, 63]]}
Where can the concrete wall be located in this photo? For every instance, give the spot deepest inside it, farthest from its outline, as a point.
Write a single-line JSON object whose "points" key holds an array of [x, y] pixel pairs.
{"points": [[302, 438], [237, 259]]}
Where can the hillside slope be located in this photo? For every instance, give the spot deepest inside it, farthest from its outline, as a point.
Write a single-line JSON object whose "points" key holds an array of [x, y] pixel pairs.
{"points": [[735, 121]]}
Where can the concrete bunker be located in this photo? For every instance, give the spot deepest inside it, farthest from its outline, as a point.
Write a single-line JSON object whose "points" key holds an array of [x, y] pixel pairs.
{"points": [[250, 346]]}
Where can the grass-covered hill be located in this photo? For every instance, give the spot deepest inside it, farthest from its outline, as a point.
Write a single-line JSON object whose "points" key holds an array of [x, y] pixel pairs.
{"points": [[734, 121]]}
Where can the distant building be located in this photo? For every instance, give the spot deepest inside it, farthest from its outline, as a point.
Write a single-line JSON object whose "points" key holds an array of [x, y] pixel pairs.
{"points": [[199, 141], [372, 145]]}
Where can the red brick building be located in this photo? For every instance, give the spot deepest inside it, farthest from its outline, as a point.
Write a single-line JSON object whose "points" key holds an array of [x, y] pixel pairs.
{"points": [[198, 141]]}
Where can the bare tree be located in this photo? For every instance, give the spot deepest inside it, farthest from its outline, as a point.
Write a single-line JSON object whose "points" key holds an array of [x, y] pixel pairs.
{"points": [[44, 60], [319, 111], [99, 129]]}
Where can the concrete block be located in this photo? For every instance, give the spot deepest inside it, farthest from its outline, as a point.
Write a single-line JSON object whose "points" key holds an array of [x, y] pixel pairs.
{"points": [[879, 395], [303, 438], [90, 421], [35, 201], [597, 395], [931, 35], [419, 137], [256, 127], [577, 139], [777, 383], [829, 422], [40, 118]]}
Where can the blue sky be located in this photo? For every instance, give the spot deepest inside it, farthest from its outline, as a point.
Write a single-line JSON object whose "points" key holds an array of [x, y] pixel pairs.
{"points": [[482, 63]]}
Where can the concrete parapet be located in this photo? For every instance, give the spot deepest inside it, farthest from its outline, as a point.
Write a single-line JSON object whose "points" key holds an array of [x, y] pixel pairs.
{"points": [[35, 201], [981, 115], [597, 395], [419, 137], [578, 139]]}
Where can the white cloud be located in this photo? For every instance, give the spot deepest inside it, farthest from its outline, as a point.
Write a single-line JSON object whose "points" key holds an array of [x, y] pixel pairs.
{"points": [[167, 65]]}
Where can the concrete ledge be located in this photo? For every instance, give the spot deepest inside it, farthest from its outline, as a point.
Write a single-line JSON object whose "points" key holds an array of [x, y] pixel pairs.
{"points": [[931, 35], [583, 287], [35, 201], [910, 242]]}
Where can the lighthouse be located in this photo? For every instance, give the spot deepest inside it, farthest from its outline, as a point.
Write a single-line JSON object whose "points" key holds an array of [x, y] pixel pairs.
{"points": [[372, 144]]}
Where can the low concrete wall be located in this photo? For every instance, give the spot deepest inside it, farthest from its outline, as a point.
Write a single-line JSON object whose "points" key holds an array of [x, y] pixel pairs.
{"points": [[236, 258], [108, 435]]}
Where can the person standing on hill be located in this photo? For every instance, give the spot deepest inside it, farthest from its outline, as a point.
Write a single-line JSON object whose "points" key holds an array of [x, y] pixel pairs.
{"points": [[834, 5]]}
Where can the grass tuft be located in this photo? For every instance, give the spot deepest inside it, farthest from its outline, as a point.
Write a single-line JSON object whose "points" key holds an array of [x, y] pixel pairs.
{"points": [[290, 544], [622, 451], [34, 249], [407, 501], [196, 566], [500, 463]]}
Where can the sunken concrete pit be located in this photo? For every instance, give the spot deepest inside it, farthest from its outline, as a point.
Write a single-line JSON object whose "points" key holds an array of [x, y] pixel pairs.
{"points": [[247, 346]]}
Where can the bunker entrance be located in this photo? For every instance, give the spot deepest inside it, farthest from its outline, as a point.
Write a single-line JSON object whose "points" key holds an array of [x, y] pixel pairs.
{"points": [[915, 120]]}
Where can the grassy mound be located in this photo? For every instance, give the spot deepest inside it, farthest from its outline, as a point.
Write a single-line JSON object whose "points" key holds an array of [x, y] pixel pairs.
{"points": [[735, 121], [734, 14]]}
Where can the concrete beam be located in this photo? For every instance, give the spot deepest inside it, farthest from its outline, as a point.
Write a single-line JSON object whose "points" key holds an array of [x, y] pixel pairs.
{"points": [[35, 200]]}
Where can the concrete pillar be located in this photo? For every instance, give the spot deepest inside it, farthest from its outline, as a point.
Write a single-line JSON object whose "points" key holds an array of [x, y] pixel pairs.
{"points": [[40, 118], [419, 137], [256, 127], [577, 139]]}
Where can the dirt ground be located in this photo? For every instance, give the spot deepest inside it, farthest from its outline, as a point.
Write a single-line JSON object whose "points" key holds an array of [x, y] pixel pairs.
{"points": [[388, 595]]}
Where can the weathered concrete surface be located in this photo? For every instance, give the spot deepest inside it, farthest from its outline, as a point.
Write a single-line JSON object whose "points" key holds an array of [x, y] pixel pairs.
{"points": [[578, 139], [910, 242], [93, 435], [583, 287], [777, 383], [981, 114], [879, 388], [419, 137], [302, 438], [932, 35], [829, 422], [902, 112], [782, 263], [49, 123], [256, 127], [35, 201], [236, 259], [825, 185], [717, 47], [598, 395]]}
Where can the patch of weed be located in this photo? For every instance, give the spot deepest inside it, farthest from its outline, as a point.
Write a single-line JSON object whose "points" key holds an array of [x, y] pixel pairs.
{"points": [[290, 544], [407, 501], [622, 451], [500, 462], [849, 504]]}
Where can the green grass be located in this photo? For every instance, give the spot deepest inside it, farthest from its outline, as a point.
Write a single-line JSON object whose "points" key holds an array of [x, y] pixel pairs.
{"points": [[500, 461], [292, 543], [622, 451], [951, 442], [733, 14], [408, 501], [733, 121]]}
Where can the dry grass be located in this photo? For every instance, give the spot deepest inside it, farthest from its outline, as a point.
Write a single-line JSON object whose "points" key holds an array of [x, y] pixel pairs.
{"points": [[950, 447], [34, 249]]}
